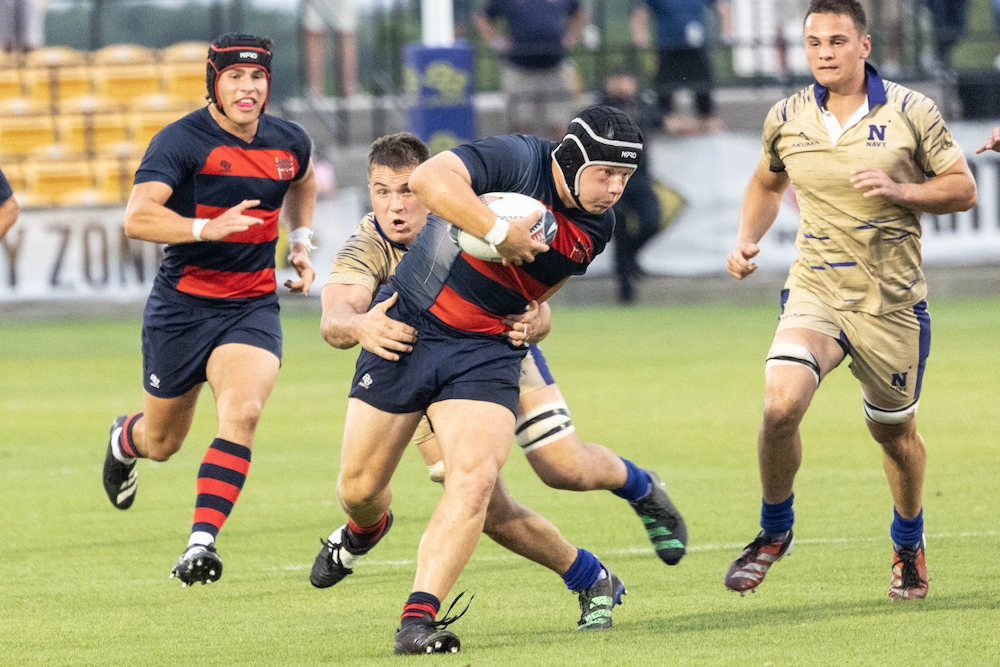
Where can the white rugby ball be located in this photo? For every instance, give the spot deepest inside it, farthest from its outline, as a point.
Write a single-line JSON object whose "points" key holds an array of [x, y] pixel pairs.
{"points": [[508, 206]]}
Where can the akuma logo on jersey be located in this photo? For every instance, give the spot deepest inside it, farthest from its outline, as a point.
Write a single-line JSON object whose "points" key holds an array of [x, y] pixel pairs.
{"points": [[226, 166], [876, 136], [286, 168], [804, 144]]}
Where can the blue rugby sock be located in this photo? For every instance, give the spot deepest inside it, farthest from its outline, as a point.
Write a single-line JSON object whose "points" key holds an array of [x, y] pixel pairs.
{"points": [[637, 484], [907, 532], [585, 571], [777, 518], [420, 607]]}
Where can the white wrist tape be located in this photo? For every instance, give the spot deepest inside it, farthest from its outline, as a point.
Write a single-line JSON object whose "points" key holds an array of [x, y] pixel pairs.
{"points": [[197, 226], [303, 235], [497, 234]]}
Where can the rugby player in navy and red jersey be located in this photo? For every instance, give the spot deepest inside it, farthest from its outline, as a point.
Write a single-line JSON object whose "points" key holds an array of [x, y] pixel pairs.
{"points": [[211, 187], [462, 370], [8, 206]]}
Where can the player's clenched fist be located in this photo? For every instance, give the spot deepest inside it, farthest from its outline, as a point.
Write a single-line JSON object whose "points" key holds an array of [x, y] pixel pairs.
{"points": [[519, 246], [739, 264], [231, 221]]}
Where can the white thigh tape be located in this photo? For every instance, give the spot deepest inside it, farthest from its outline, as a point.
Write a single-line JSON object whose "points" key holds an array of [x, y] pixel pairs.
{"points": [[790, 354], [546, 423], [883, 416]]}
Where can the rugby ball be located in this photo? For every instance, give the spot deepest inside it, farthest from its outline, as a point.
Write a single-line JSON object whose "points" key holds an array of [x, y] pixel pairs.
{"points": [[508, 206]]}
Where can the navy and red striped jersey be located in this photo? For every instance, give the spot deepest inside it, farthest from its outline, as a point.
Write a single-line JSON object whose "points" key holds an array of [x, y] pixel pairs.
{"points": [[473, 295], [5, 190], [210, 171]]}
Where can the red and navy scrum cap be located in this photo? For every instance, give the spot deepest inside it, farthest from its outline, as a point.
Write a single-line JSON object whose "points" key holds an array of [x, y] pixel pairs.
{"points": [[601, 134], [236, 50]]}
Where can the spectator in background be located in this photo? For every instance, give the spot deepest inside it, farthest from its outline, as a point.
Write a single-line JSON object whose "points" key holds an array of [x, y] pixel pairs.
{"points": [[682, 46], [8, 206], [637, 213], [949, 18], [326, 19], [22, 24], [536, 77]]}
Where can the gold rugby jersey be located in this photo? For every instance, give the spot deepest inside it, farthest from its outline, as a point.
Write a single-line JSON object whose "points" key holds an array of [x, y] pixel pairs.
{"points": [[857, 253], [367, 258]]}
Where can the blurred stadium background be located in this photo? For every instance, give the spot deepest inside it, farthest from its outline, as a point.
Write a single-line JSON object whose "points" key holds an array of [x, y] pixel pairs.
{"points": [[84, 90]]}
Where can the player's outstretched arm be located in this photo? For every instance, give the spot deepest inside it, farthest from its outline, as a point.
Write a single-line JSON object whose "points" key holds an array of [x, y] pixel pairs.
{"points": [[346, 322], [761, 202], [300, 201], [147, 219], [992, 144], [443, 184], [951, 191], [9, 211], [531, 326]]}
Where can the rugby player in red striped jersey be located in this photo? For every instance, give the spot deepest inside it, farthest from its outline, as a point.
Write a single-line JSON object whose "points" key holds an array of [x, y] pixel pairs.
{"points": [[211, 187]]}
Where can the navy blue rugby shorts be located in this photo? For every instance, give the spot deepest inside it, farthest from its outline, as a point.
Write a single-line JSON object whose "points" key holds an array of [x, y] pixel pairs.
{"points": [[445, 364], [178, 337]]}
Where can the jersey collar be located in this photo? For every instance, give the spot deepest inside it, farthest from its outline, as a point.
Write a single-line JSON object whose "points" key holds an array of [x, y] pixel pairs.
{"points": [[394, 244], [874, 83]]}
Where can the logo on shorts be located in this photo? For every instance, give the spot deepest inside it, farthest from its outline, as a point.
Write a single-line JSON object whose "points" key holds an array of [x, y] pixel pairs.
{"points": [[286, 168], [366, 381], [154, 381], [899, 380]]}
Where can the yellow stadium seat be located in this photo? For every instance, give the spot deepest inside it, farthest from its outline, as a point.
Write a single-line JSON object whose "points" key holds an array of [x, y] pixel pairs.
{"points": [[115, 177], [22, 106], [162, 102], [55, 56], [14, 172], [126, 82], [91, 132], [123, 54], [11, 84], [90, 104], [185, 52], [11, 60], [185, 80], [53, 182], [64, 82], [145, 125], [20, 134]]}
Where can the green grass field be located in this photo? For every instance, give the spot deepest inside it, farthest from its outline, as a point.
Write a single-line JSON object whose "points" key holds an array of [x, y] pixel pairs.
{"points": [[675, 389]]}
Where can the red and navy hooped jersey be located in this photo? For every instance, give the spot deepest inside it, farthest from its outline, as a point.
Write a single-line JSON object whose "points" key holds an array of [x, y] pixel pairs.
{"points": [[210, 171], [5, 190], [473, 295]]}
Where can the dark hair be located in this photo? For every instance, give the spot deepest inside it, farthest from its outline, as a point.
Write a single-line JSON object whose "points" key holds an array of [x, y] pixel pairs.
{"points": [[212, 67], [397, 151], [850, 8]]}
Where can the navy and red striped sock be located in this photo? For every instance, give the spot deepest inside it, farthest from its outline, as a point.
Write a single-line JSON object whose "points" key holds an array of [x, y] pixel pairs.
{"points": [[220, 480], [362, 538], [126, 444], [420, 607]]}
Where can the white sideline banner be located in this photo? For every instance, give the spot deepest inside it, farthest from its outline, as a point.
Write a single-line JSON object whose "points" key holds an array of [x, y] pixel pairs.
{"points": [[83, 253], [712, 172]]}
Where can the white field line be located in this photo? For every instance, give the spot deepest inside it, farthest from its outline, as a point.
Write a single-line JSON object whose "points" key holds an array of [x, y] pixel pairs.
{"points": [[693, 548]]}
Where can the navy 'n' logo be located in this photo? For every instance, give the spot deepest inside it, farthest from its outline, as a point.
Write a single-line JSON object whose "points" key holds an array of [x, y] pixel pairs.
{"points": [[898, 379], [876, 131]]}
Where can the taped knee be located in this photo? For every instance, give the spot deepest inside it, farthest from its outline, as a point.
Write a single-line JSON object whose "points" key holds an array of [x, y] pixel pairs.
{"points": [[885, 416], [546, 423], [790, 354]]}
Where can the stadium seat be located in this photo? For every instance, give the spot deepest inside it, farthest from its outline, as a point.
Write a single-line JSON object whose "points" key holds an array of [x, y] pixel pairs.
{"points": [[146, 124], [90, 104], [123, 54], [126, 82], [91, 132], [55, 182], [162, 102], [22, 106], [55, 56], [114, 178], [14, 171], [20, 134], [11, 84], [54, 84], [184, 70]]}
